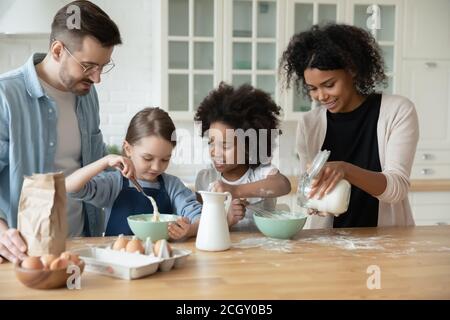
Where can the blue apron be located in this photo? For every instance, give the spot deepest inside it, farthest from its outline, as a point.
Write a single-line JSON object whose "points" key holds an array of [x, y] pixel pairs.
{"points": [[130, 202]]}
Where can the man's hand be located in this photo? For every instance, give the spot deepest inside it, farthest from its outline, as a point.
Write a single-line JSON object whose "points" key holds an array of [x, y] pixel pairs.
{"points": [[12, 246]]}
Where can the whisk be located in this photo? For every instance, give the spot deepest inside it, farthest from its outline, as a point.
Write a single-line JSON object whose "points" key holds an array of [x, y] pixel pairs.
{"points": [[274, 214]]}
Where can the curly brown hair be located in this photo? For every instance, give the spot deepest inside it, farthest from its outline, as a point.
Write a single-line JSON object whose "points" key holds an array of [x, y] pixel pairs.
{"points": [[331, 47], [243, 108]]}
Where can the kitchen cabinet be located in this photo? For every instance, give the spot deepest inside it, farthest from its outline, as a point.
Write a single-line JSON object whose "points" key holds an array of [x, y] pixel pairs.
{"points": [[427, 84], [427, 27], [191, 53], [241, 41], [430, 208], [208, 41]]}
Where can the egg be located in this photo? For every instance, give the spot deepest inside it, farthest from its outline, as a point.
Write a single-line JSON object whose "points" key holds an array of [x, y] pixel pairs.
{"points": [[120, 243], [47, 260], [135, 245], [32, 263], [70, 256], [162, 249], [60, 263]]}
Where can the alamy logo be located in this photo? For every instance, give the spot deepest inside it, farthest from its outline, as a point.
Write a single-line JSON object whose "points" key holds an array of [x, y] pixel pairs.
{"points": [[74, 19], [373, 22], [74, 280], [374, 280]]}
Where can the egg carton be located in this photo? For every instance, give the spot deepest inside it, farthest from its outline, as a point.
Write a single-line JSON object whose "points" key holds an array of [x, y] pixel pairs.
{"points": [[129, 266]]}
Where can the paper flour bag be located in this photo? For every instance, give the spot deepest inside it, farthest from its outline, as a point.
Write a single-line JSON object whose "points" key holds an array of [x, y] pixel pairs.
{"points": [[42, 216]]}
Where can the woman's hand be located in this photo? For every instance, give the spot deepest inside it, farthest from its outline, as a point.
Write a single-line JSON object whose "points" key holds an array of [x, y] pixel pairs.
{"points": [[124, 164], [236, 212], [180, 229], [326, 180]]}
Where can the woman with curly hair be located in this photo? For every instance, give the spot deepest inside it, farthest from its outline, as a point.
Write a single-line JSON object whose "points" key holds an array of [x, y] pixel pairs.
{"points": [[372, 136], [241, 125]]}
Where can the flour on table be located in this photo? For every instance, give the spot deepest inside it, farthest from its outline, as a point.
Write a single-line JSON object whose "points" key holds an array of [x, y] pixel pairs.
{"points": [[266, 244]]}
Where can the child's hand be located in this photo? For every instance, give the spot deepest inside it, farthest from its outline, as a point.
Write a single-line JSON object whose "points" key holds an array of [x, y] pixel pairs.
{"points": [[124, 164], [236, 212], [220, 186], [180, 229]]}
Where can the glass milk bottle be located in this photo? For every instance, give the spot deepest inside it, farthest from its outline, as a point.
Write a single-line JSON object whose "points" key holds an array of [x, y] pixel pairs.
{"points": [[335, 202]]}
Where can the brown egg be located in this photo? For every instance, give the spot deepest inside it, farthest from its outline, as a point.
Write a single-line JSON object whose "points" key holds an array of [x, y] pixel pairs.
{"points": [[32, 263], [159, 245], [120, 243], [135, 245], [60, 263], [47, 260], [70, 256]]}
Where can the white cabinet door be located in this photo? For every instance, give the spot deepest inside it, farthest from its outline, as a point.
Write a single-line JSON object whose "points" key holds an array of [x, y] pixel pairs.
{"points": [[427, 84], [427, 29], [430, 208], [252, 30], [191, 51]]}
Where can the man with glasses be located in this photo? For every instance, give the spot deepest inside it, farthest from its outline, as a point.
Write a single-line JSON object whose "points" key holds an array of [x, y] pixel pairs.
{"points": [[49, 117]]}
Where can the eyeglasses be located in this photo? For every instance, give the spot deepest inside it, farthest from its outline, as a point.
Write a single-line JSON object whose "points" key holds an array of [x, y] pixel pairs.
{"points": [[89, 69]]}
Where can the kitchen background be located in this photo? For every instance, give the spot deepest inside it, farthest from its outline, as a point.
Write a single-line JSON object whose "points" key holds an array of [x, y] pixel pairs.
{"points": [[176, 51]]}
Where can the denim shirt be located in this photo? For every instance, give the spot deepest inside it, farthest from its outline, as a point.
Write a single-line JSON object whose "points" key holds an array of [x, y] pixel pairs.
{"points": [[28, 137]]}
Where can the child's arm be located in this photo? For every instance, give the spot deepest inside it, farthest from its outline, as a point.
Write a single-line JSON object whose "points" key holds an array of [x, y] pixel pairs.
{"points": [[77, 180], [275, 185]]}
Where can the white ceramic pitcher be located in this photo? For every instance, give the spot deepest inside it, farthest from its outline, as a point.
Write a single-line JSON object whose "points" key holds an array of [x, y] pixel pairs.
{"points": [[213, 233]]}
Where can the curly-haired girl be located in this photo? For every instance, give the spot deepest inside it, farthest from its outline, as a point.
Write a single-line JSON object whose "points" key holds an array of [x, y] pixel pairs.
{"points": [[372, 136], [241, 125]]}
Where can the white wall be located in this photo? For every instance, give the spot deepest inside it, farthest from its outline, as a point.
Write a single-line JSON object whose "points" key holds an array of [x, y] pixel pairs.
{"points": [[135, 81]]}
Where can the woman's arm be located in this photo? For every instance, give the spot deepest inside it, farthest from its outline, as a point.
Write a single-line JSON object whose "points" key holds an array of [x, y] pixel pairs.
{"points": [[77, 180], [373, 183], [392, 184]]}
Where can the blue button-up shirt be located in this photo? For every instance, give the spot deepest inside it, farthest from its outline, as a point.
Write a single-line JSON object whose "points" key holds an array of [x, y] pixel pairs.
{"points": [[28, 137]]}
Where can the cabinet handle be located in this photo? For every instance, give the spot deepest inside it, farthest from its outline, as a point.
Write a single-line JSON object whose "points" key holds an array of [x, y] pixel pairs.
{"points": [[427, 156], [426, 171], [431, 64]]}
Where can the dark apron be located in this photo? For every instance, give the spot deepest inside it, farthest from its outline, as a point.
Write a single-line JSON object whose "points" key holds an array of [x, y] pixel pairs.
{"points": [[131, 202]]}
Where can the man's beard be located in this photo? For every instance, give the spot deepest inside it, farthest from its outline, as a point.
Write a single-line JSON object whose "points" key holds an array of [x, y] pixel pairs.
{"points": [[70, 83]]}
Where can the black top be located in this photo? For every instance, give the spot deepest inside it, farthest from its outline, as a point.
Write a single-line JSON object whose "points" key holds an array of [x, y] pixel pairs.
{"points": [[352, 137]]}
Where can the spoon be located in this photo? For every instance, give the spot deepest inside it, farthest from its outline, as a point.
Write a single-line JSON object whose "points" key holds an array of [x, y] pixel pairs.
{"points": [[155, 217]]}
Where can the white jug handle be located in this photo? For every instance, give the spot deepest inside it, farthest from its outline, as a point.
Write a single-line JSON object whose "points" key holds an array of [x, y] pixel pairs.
{"points": [[227, 202]]}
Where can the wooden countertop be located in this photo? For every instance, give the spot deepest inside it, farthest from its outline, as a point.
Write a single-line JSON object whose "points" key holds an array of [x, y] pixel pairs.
{"points": [[416, 185], [414, 263]]}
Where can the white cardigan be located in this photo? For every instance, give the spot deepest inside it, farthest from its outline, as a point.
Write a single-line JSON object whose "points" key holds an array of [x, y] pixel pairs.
{"points": [[397, 133]]}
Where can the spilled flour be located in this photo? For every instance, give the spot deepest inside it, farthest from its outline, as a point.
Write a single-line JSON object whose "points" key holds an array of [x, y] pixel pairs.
{"points": [[266, 244], [384, 244], [347, 242]]}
